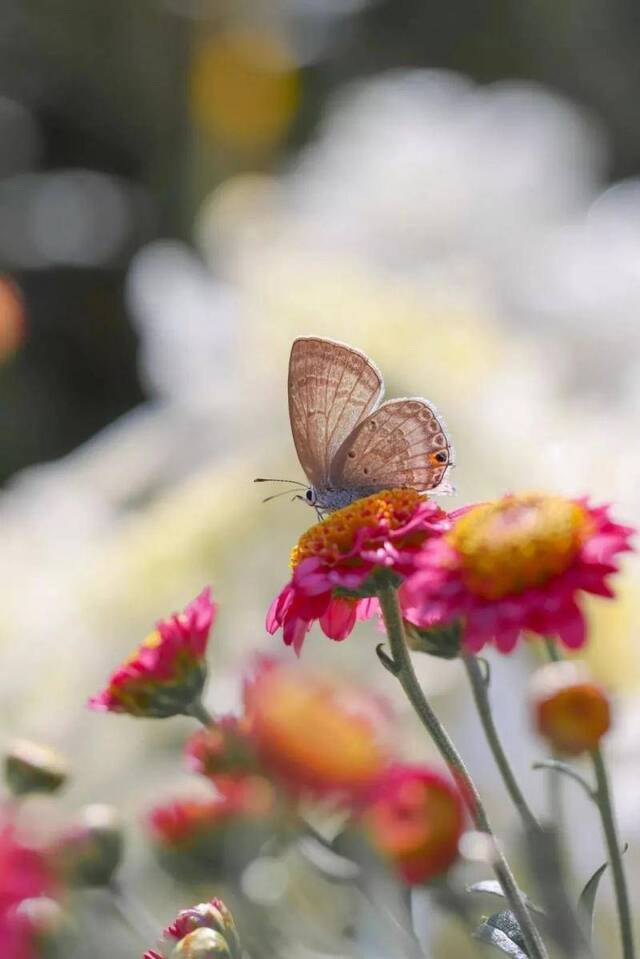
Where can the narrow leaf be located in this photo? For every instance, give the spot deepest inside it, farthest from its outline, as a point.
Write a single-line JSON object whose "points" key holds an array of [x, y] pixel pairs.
{"points": [[503, 933], [587, 901], [492, 887]]}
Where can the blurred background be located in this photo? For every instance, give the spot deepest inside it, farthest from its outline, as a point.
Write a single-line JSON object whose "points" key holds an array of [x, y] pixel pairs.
{"points": [[186, 185]]}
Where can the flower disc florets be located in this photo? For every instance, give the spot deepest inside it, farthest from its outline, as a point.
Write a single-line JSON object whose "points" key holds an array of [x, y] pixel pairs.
{"points": [[336, 561], [516, 564]]}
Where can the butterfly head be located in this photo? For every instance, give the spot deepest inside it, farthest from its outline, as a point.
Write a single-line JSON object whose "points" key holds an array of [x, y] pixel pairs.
{"points": [[311, 496]]}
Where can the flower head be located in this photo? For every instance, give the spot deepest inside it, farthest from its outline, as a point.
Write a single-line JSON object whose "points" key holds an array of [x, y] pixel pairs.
{"points": [[516, 564], [570, 710], [24, 874], [335, 562], [197, 837], [315, 735], [415, 821], [224, 748], [167, 672]]}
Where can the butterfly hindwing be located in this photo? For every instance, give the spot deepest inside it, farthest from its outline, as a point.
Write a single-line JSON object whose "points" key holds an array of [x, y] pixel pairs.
{"points": [[402, 443], [332, 388]]}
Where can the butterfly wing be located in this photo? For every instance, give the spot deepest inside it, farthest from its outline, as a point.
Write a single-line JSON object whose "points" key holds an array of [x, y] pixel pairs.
{"points": [[332, 388], [402, 443]]}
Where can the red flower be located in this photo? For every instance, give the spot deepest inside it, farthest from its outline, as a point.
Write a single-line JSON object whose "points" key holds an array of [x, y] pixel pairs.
{"points": [[222, 749], [212, 915], [516, 564], [23, 875], [415, 821], [316, 735], [339, 555], [199, 837], [167, 672]]}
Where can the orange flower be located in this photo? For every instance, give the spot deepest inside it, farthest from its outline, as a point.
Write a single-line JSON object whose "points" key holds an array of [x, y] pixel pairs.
{"points": [[316, 735], [415, 821], [570, 710]]}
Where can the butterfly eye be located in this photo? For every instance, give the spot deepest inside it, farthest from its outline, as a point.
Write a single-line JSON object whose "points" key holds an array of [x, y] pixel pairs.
{"points": [[310, 497]]}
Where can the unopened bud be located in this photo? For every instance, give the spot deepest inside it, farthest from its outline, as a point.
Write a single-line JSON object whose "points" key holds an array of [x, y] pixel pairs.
{"points": [[89, 852], [209, 915], [47, 925], [202, 944], [31, 768], [570, 710]]}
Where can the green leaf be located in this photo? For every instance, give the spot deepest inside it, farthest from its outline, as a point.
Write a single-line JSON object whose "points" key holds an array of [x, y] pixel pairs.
{"points": [[587, 901], [443, 641], [492, 887], [502, 931]]}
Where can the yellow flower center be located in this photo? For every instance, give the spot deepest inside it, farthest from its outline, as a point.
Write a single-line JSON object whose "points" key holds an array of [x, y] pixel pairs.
{"points": [[518, 543], [335, 535]]}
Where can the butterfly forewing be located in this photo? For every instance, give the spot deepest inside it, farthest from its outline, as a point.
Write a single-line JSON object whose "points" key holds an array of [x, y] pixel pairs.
{"points": [[332, 388], [402, 443]]}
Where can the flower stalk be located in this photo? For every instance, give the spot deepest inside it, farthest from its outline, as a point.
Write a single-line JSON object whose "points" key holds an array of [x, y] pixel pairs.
{"points": [[481, 699], [198, 711], [602, 798], [403, 669]]}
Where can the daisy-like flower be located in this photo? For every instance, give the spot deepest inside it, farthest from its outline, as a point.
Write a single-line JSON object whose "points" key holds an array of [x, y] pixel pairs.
{"points": [[222, 749], [200, 837], [317, 736], [415, 821], [341, 556], [516, 564], [167, 673]]}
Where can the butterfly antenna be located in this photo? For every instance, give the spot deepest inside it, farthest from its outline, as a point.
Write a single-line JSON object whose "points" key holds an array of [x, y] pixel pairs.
{"points": [[263, 479], [285, 492]]}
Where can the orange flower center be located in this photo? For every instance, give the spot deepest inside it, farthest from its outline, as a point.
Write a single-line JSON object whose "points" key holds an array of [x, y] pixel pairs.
{"points": [[518, 543], [335, 535]]}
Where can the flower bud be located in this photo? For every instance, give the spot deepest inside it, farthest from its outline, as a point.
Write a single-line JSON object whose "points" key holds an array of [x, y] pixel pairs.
{"points": [[31, 768], [569, 709], [45, 924], [202, 944], [89, 852], [415, 820], [209, 915]]}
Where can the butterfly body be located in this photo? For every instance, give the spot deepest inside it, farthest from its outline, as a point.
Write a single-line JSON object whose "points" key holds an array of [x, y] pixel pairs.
{"points": [[349, 443]]}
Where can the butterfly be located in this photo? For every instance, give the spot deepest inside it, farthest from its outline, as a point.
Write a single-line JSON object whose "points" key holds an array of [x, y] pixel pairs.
{"points": [[349, 443]]}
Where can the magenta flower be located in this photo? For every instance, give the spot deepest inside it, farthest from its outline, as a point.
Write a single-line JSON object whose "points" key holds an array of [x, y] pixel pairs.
{"points": [[166, 674], [337, 559], [24, 875], [516, 564]]}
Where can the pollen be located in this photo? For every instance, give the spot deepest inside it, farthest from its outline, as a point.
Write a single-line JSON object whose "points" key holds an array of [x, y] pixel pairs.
{"points": [[334, 536], [518, 543]]}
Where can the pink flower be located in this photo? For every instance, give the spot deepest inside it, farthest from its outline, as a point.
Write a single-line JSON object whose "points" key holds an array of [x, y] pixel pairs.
{"points": [[415, 820], [23, 875], [516, 564], [167, 673], [335, 562]]}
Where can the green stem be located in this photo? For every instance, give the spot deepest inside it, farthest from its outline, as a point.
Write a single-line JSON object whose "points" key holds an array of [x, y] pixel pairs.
{"points": [[199, 712], [405, 673], [133, 913], [479, 689], [609, 828], [603, 799]]}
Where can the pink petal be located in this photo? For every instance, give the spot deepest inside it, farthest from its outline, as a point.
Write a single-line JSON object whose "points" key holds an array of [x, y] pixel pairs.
{"points": [[339, 619]]}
